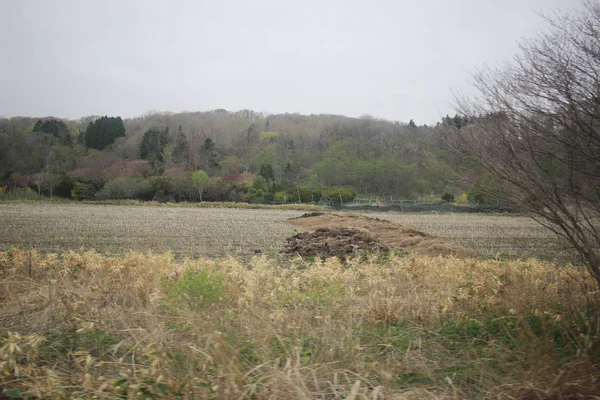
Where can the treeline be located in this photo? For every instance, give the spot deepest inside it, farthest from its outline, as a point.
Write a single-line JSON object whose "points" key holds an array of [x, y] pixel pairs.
{"points": [[226, 156]]}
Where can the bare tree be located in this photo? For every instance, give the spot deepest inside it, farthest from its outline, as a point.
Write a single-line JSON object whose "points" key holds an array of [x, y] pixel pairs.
{"points": [[535, 127], [38, 180], [51, 182]]}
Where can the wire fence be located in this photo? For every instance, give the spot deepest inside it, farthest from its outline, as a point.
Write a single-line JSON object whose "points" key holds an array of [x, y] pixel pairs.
{"points": [[404, 206]]}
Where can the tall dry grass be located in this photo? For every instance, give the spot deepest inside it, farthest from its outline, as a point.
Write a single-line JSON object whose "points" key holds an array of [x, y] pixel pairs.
{"points": [[83, 325], [34, 199]]}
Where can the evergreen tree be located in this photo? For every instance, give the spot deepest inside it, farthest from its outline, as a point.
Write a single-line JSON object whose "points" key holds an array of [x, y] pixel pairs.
{"points": [[180, 148], [103, 132], [266, 171], [153, 144], [288, 174], [210, 154], [56, 128]]}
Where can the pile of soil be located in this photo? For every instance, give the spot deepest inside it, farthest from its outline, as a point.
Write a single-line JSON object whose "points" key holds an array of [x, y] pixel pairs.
{"points": [[324, 242], [384, 233]]}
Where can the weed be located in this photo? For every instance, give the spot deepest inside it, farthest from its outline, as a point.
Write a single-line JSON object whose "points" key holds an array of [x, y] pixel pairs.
{"points": [[195, 288]]}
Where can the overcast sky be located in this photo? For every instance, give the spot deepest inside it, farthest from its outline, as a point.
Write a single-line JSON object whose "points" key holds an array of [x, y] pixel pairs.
{"points": [[396, 59]]}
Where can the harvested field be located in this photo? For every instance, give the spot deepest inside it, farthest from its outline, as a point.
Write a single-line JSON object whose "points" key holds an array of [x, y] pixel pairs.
{"points": [[114, 229], [219, 231], [490, 235]]}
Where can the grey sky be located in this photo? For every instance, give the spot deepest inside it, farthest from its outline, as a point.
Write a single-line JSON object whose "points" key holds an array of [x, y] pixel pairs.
{"points": [[393, 59]]}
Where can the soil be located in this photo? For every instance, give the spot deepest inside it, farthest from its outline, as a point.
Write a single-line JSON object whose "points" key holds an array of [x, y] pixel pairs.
{"points": [[324, 242], [342, 235]]}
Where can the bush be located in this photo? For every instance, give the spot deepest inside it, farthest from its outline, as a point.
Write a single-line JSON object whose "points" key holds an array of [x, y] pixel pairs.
{"points": [[64, 188], [256, 189], [20, 194], [127, 188], [339, 194], [220, 190], [83, 191], [303, 194], [160, 188], [448, 198], [281, 197]]}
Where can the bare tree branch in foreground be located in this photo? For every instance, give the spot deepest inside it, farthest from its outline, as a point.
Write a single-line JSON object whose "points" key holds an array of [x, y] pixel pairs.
{"points": [[535, 127]]}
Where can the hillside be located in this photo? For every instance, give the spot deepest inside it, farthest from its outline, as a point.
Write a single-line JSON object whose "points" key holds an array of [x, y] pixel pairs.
{"points": [[246, 156]]}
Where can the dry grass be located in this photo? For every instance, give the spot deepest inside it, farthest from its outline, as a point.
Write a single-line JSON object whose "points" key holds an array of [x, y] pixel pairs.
{"points": [[84, 325], [138, 203]]}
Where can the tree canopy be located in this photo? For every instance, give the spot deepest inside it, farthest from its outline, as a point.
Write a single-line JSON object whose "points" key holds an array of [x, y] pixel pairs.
{"points": [[102, 132]]}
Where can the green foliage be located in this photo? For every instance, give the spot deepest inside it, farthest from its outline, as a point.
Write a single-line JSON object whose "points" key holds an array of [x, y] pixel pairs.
{"points": [[257, 189], [13, 393], [103, 132], [308, 194], [195, 289], [484, 192], [335, 166], [96, 341], [303, 194], [458, 121], [268, 135], [83, 191], [448, 198], [266, 171], [56, 128], [339, 194], [20, 194], [200, 180], [296, 155], [209, 154], [127, 188], [153, 144], [281, 197], [160, 188], [179, 145], [64, 187]]}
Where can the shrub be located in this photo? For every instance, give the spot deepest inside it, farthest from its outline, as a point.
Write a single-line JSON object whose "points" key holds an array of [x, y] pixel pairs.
{"points": [[448, 198], [303, 194], [256, 189], [160, 188], [220, 190], [127, 188], [196, 289], [339, 194], [64, 187], [83, 191], [281, 197]]}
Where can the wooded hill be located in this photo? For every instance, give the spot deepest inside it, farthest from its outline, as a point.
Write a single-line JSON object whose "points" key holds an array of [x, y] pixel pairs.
{"points": [[243, 155]]}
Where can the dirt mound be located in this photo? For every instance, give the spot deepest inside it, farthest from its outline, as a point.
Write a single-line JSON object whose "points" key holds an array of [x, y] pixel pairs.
{"points": [[383, 232], [340, 242]]}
